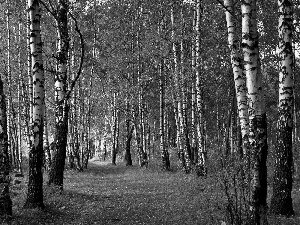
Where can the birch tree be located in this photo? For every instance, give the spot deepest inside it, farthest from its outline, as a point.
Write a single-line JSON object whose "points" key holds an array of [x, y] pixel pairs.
{"points": [[162, 117], [9, 100], [62, 108], [201, 165], [257, 114], [19, 128], [281, 202], [35, 179], [129, 134], [178, 106]]}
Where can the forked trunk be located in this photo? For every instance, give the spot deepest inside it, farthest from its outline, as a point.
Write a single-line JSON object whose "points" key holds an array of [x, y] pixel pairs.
{"points": [[239, 78]]}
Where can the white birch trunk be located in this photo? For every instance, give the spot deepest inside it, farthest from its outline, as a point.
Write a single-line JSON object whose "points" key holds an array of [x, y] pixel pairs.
{"points": [[257, 116], [281, 201], [35, 182]]}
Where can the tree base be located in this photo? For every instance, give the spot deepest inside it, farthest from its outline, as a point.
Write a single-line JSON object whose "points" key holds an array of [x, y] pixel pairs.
{"points": [[201, 171], [34, 205], [282, 206], [5, 207]]}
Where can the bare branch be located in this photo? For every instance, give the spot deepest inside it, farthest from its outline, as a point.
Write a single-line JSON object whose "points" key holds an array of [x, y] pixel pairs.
{"points": [[67, 96], [51, 11]]}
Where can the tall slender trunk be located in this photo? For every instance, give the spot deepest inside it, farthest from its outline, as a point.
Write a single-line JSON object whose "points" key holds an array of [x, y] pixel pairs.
{"points": [[30, 87], [88, 153], [178, 135], [185, 160], [194, 151], [61, 113], [35, 177], [257, 115], [75, 154], [201, 165], [46, 143], [19, 128], [183, 96], [114, 130], [127, 158], [162, 119], [163, 150], [281, 202], [5, 200], [89, 104], [9, 83]]}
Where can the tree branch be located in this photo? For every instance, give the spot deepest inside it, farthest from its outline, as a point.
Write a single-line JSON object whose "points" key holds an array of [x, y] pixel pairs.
{"points": [[68, 94], [222, 4], [52, 12]]}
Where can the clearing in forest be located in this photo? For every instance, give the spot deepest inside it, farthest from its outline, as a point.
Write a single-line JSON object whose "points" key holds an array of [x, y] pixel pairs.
{"points": [[107, 194]]}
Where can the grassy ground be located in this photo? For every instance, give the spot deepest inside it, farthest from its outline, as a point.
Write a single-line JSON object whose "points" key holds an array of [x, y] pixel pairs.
{"points": [[106, 194]]}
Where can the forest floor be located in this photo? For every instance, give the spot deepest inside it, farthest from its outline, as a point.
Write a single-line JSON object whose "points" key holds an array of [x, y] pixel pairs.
{"points": [[107, 194]]}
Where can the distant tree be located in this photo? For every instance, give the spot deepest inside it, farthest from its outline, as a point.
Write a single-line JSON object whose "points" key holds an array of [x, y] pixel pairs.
{"points": [[129, 135]]}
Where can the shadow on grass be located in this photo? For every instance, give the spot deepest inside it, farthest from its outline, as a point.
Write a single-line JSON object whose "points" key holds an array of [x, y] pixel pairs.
{"points": [[50, 215]]}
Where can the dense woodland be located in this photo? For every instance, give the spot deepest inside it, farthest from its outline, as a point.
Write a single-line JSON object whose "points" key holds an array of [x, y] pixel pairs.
{"points": [[204, 85]]}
